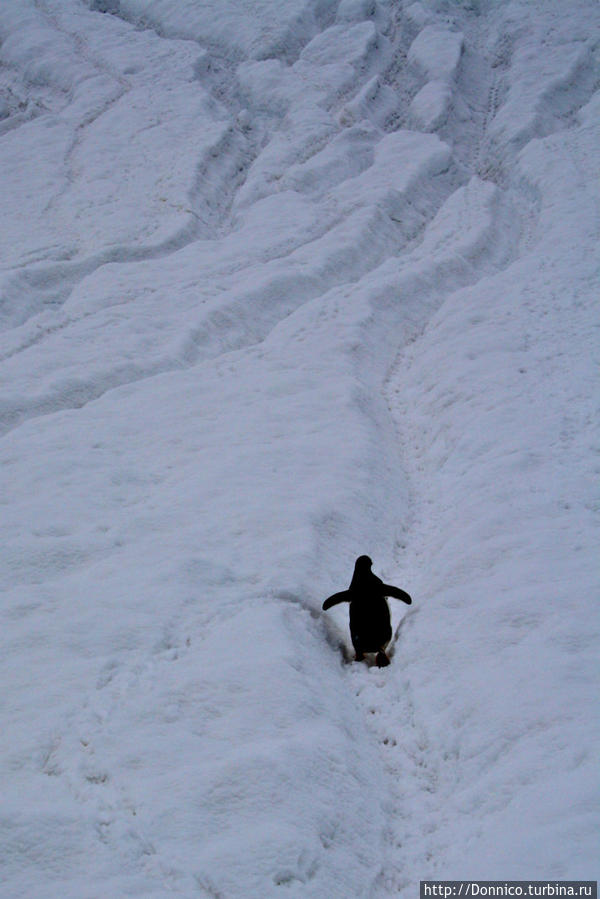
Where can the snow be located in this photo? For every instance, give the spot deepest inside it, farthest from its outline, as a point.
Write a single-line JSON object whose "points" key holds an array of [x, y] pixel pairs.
{"points": [[283, 284], [436, 52]]}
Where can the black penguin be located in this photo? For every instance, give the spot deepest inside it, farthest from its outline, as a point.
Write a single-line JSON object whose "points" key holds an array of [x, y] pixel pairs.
{"points": [[370, 625]]}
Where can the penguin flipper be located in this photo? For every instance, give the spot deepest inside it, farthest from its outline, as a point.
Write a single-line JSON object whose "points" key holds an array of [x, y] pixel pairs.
{"points": [[343, 596], [397, 593]]}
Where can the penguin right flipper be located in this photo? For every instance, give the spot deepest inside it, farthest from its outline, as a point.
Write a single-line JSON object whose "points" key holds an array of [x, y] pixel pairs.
{"points": [[344, 596], [397, 593]]}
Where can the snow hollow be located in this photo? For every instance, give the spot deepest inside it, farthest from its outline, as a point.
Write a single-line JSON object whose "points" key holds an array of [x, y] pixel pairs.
{"points": [[283, 283]]}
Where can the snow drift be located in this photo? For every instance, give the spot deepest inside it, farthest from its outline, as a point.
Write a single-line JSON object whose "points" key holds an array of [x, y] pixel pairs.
{"points": [[283, 284]]}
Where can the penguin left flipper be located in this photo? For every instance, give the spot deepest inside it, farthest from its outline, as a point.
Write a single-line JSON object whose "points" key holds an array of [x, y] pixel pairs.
{"points": [[397, 593], [343, 596]]}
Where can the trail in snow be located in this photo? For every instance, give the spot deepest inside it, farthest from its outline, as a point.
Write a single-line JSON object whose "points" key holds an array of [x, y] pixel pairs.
{"points": [[280, 286], [483, 471]]}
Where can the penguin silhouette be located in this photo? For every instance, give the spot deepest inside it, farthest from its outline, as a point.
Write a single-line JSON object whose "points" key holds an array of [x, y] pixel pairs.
{"points": [[370, 624]]}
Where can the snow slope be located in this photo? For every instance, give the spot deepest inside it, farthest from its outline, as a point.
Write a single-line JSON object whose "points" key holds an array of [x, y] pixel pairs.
{"points": [[283, 284]]}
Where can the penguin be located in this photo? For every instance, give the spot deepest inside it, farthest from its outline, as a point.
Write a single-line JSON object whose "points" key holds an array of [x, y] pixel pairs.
{"points": [[370, 624]]}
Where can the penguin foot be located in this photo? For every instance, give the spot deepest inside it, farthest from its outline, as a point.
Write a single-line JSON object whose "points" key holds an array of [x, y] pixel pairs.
{"points": [[381, 659]]}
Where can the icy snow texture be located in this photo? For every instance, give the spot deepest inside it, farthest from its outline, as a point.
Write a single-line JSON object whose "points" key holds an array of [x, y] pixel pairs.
{"points": [[281, 284]]}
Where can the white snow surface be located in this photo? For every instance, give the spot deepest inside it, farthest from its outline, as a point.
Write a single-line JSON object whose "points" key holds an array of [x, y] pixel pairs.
{"points": [[282, 284]]}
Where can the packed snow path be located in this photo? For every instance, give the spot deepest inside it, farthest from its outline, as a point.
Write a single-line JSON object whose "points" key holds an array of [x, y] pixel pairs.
{"points": [[282, 284]]}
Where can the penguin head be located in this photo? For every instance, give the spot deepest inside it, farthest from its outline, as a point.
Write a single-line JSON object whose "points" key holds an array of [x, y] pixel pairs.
{"points": [[363, 563]]}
